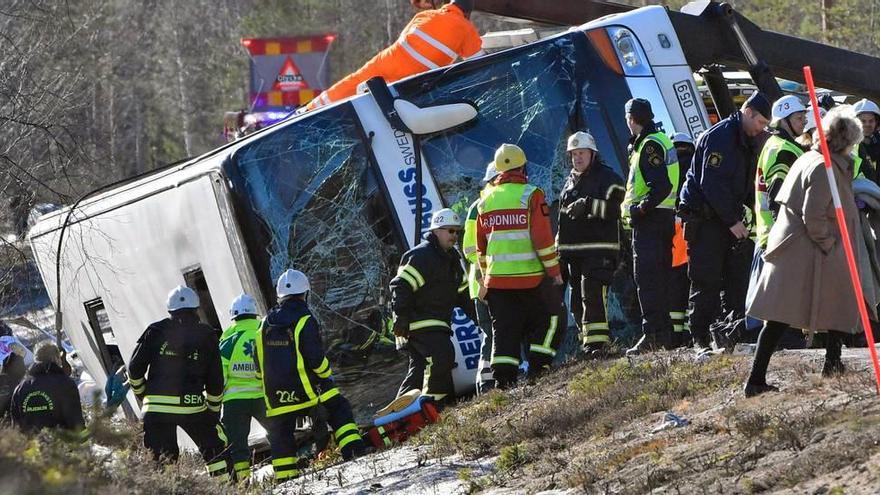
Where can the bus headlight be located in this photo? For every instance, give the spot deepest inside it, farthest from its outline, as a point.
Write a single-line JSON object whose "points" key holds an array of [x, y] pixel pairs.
{"points": [[629, 51]]}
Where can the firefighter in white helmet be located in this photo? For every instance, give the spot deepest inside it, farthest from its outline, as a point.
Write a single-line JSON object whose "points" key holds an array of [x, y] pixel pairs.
{"points": [[242, 392], [429, 284], [296, 377], [777, 156], [175, 370], [588, 240], [869, 114]]}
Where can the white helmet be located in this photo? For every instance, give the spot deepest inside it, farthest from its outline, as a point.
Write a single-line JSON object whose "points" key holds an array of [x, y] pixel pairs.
{"points": [[811, 121], [445, 218], [491, 172], [243, 305], [866, 105], [292, 282], [682, 137], [182, 297], [786, 106], [581, 141]]}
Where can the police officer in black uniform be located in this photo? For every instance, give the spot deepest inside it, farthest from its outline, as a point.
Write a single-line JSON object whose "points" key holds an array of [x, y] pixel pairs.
{"points": [[648, 209], [47, 397], [184, 386], [588, 240], [296, 377], [430, 283], [718, 185]]}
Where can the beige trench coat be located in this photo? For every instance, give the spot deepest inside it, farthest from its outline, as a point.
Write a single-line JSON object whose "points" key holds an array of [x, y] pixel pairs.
{"points": [[805, 280]]}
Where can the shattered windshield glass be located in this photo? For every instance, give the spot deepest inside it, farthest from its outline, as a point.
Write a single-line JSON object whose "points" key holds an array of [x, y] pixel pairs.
{"points": [[534, 96], [310, 189]]}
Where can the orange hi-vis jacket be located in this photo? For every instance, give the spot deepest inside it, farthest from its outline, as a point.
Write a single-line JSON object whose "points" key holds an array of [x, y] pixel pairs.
{"points": [[433, 38], [533, 217]]}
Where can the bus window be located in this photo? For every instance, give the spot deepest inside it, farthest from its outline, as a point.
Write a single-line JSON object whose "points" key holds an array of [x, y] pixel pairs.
{"points": [[195, 280], [108, 349]]}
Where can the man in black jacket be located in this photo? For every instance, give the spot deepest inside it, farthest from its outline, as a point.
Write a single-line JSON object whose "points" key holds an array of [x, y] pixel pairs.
{"points": [[429, 284], [588, 240], [47, 397], [185, 383], [10, 376]]}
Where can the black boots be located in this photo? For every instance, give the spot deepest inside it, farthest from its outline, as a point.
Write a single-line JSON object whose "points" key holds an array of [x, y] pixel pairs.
{"points": [[753, 389], [833, 365]]}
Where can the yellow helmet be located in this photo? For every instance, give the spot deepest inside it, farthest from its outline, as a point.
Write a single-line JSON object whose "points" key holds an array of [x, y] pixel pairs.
{"points": [[508, 157]]}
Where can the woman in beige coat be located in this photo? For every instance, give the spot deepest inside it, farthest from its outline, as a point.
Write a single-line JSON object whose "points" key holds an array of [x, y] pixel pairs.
{"points": [[805, 281]]}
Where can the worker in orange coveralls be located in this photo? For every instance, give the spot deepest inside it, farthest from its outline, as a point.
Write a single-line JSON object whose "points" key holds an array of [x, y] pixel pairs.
{"points": [[434, 38]]}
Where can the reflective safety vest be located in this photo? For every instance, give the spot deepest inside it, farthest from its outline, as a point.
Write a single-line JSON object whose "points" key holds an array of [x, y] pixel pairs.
{"points": [[469, 245], [857, 162], [237, 347], [769, 171], [509, 250], [636, 187], [288, 383]]}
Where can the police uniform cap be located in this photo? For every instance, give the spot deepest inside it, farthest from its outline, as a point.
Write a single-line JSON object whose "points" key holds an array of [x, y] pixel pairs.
{"points": [[639, 108], [761, 104]]}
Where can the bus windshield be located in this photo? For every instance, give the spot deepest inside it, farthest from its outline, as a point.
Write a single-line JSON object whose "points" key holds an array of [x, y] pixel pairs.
{"points": [[534, 96]]}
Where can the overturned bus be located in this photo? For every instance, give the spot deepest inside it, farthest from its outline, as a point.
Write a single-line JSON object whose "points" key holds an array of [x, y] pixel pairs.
{"points": [[341, 192]]}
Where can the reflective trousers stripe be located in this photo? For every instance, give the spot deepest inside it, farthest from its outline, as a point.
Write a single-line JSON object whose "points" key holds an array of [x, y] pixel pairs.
{"points": [[417, 325], [542, 350], [505, 360], [217, 468], [614, 246]]}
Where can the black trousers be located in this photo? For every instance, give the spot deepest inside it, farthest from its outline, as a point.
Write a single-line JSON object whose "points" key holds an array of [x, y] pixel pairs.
{"points": [[485, 378], [284, 444], [652, 263], [589, 279], [530, 317], [160, 438], [717, 261], [431, 361], [237, 414], [679, 290], [341, 420]]}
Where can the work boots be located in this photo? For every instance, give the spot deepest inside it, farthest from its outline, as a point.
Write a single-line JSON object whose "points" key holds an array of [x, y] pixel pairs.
{"points": [[753, 389], [596, 351], [650, 342], [833, 348]]}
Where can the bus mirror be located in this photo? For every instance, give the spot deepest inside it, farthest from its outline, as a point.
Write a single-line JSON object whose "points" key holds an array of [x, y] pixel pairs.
{"points": [[434, 118]]}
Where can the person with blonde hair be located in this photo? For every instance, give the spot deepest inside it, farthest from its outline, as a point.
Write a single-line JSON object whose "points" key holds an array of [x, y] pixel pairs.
{"points": [[804, 250]]}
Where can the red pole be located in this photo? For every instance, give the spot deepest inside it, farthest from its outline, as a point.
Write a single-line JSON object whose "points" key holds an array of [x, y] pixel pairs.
{"points": [[844, 232]]}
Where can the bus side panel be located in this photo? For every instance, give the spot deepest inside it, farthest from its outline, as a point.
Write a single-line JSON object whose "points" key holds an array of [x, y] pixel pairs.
{"points": [[132, 256]]}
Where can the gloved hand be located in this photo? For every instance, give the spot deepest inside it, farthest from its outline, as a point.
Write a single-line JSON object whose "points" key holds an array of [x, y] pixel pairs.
{"points": [[861, 205], [400, 327], [636, 213], [578, 208]]}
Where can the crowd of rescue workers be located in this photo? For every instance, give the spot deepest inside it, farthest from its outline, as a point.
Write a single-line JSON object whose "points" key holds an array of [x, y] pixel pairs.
{"points": [[740, 222]]}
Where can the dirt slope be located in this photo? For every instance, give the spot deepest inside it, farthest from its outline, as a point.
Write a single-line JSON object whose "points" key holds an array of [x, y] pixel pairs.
{"points": [[586, 428]]}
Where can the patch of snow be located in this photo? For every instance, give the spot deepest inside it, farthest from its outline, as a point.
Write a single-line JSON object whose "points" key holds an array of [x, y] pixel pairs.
{"points": [[403, 470]]}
